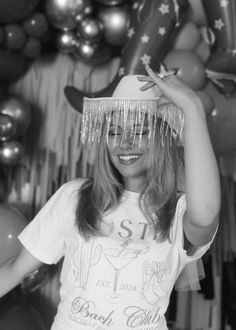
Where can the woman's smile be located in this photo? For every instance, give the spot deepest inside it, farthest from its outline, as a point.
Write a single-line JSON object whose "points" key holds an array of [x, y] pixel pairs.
{"points": [[128, 159]]}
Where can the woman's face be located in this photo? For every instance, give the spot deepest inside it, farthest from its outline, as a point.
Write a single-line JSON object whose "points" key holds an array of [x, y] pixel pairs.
{"points": [[129, 154]]}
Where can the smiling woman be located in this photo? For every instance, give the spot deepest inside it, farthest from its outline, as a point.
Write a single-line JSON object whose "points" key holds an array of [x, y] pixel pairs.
{"points": [[128, 233]]}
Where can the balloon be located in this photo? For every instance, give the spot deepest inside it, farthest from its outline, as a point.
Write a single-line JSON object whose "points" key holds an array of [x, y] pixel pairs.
{"points": [[16, 10], [12, 222], [115, 22], [222, 121], [189, 65], [207, 101], [62, 14], [87, 11], [20, 316], [66, 41], [188, 37], [19, 110], [7, 127], [35, 25], [12, 65], [90, 29], [203, 51], [11, 152], [153, 24], [32, 47], [1, 35], [220, 18], [15, 36], [196, 12], [110, 2]]}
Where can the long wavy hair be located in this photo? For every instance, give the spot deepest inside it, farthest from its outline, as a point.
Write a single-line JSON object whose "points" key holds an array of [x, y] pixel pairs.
{"points": [[103, 192]]}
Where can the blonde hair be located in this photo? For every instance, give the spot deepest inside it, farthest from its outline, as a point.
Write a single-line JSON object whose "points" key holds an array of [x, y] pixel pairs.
{"points": [[104, 191]]}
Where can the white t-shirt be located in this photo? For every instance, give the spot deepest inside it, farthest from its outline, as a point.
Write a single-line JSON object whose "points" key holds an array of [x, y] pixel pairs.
{"points": [[119, 281]]}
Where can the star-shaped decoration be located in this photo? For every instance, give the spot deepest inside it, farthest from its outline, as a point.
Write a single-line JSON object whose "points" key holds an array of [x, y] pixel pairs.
{"points": [[130, 32], [224, 3], [145, 38], [219, 24], [164, 9], [145, 59], [162, 30], [121, 71]]}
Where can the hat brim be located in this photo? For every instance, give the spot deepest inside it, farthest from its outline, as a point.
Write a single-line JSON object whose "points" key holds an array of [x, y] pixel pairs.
{"points": [[74, 97]]}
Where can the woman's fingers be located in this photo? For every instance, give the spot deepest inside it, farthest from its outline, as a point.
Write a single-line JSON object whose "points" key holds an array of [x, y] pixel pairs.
{"points": [[148, 85]]}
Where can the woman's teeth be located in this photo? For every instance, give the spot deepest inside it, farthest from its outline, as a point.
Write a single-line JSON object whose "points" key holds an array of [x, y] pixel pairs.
{"points": [[127, 158]]}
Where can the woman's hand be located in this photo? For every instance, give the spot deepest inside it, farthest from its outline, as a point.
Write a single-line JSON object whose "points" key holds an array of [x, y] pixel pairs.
{"points": [[172, 90]]}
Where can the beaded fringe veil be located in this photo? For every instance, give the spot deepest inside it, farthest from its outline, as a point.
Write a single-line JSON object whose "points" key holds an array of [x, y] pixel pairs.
{"points": [[130, 113]]}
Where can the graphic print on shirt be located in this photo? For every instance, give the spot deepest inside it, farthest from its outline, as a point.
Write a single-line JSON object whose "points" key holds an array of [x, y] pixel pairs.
{"points": [[105, 294], [119, 259], [152, 277], [85, 256]]}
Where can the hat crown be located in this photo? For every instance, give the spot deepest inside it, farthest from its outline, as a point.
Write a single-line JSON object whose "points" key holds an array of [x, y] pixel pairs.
{"points": [[129, 87]]}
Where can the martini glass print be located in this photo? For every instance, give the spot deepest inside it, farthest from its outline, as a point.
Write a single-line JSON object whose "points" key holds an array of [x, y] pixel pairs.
{"points": [[119, 259]]}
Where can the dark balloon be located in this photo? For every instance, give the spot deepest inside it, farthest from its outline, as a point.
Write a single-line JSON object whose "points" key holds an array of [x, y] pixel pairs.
{"points": [[11, 152], [32, 47], [1, 35], [17, 109], [20, 316], [15, 36], [12, 65], [7, 127], [115, 21], [16, 10], [36, 25]]}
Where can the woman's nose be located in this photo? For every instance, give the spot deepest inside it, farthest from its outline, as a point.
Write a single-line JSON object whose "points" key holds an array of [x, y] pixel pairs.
{"points": [[127, 142]]}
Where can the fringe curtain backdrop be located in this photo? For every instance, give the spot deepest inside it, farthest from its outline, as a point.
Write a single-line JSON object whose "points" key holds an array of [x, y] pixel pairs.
{"points": [[53, 154]]}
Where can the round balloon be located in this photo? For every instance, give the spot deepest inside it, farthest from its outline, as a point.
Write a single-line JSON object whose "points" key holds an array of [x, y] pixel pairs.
{"points": [[12, 65], [90, 29], [15, 36], [188, 37], [11, 152], [222, 121], [7, 127], [19, 110], [62, 14], [12, 222], [20, 316], [15, 10], [36, 24], [111, 2], [190, 67], [66, 41], [32, 47], [115, 22]]}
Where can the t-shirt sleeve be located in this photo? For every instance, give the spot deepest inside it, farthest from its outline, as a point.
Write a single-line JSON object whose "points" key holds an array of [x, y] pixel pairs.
{"points": [[178, 233], [44, 236], [191, 269]]}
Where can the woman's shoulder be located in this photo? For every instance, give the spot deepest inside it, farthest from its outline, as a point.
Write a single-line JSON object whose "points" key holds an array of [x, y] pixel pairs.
{"points": [[74, 184]]}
